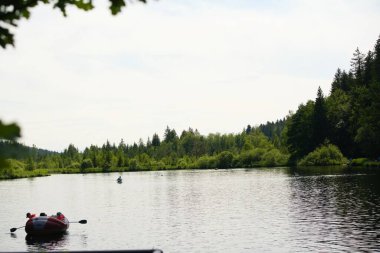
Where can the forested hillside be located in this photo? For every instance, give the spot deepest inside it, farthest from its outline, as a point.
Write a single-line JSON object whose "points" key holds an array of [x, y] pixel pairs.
{"points": [[15, 150]]}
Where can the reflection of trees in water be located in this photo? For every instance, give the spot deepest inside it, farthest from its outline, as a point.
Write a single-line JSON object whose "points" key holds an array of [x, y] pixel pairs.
{"points": [[341, 210], [50, 242]]}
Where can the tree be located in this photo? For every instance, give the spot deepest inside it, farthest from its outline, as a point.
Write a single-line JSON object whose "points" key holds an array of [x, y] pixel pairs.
{"points": [[367, 73], [11, 11], [71, 153], [8, 132], [376, 61], [155, 140], [170, 135], [225, 159], [320, 124], [341, 81], [248, 130], [338, 106], [30, 164], [357, 66], [300, 131]]}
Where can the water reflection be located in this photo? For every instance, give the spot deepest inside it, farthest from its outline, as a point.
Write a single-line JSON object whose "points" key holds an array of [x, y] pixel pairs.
{"points": [[46, 243], [337, 209], [240, 210]]}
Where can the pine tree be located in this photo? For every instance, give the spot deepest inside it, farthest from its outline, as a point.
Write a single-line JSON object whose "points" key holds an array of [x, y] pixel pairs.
{"points": [[156, 140], [248, 130], [337, 83], [376, 61], [170, 135], [357, 66], [367, 72], [320, 123]]}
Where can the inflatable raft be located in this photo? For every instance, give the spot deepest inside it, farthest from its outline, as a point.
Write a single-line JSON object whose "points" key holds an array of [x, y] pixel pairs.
{"points": [[46, 225]]}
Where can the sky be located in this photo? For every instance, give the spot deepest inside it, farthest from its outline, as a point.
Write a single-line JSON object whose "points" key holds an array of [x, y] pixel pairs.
{"points": [[215, 66]]}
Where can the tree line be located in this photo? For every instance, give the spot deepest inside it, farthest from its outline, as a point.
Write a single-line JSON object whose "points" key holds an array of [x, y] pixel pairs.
{"points": [[348, 118], [190, 149], [324, 131]]}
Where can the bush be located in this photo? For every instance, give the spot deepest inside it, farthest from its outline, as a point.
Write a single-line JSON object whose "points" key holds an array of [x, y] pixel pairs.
{"points": [[324, 155], [157, 165], [184, 163], [206, 162], [364, 162], [252, 157], [133, 164], [274, 158], [74, 165], [86, 163], [224, 159], [15, 164]]}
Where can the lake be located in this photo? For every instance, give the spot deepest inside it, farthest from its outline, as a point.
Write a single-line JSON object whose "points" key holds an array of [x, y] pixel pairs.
{"points": [[236, 210]]}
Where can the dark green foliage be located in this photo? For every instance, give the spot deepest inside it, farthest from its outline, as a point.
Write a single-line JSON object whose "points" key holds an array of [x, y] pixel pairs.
{"points": [[8, 134], [225, 159], [320, 124], [349, 117], [86, 163], [357, 66], [170, 135], [15, 150], [272, 129], [341, 81], [300, 131], [30, 164], [156, 140], [307, 128], [9, 131], [338, 115], [11, 11]]}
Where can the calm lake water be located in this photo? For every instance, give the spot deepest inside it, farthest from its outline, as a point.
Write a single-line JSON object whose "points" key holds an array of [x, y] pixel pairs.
{"points": [[239, 210]]}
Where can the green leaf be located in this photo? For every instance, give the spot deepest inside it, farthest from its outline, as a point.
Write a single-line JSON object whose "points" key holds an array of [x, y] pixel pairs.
{"points": [[9, 132], [116, 6]]}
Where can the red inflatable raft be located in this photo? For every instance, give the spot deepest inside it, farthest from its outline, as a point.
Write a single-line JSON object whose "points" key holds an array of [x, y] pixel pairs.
{"points": [[46, 225]]}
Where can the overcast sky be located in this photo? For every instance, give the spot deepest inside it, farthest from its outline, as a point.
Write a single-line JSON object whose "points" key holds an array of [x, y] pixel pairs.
{"points": [[212, 65]]}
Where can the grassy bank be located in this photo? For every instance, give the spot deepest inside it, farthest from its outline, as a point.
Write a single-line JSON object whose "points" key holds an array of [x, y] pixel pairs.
{"points": [[364, 162]]}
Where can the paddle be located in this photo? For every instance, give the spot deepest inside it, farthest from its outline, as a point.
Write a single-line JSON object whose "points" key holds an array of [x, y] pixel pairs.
{"points": [[14, 229], [81, 222]]}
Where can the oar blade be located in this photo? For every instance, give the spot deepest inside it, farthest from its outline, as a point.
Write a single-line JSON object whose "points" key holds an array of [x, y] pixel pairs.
{"points": [[13, 229], [83, 221]]}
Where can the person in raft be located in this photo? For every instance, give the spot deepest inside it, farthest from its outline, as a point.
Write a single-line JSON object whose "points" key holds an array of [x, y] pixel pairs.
{"points": [[60, 216], [30, 216]]}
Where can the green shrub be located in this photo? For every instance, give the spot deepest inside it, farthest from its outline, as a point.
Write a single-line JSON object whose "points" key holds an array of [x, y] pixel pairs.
{"points": [[324, 155], [74, 165], [274, 157], [224, 159], [252, 157], [15, 164], [206, 162], [157, 165], [184, 163], [86, 163], [359, 161]]}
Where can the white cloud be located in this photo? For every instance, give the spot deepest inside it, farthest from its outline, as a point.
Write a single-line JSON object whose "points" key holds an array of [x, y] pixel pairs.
{"points": [[214, 66]]}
